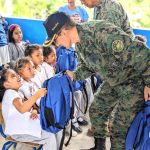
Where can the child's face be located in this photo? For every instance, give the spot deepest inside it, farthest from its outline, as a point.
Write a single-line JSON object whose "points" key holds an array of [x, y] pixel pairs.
{"points": [[13, 80], [17, 35], [27, 72], [51, 58], [37, 57]]}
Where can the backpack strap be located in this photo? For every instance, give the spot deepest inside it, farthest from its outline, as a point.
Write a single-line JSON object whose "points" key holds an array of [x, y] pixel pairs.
{"points": [[98, 83], [62, 140], [87, 100], [72, 108], [46, 85]]}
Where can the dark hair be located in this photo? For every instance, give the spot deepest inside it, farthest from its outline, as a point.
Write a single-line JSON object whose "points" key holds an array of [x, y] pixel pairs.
{"points": [[21, 62], [31, 48], [69, 24], [3, 78], [10, 32], [48, 50]]}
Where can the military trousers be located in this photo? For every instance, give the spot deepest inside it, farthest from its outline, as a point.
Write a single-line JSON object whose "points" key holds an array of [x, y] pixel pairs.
{"points": [[114, 108]]}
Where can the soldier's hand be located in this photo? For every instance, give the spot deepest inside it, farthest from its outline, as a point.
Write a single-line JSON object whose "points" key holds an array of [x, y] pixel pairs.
{"points": [[146, 93]]}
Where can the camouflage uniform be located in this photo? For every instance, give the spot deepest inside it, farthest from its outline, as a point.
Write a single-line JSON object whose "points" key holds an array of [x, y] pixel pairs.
{"points": [[113, 12], [124, 65]]}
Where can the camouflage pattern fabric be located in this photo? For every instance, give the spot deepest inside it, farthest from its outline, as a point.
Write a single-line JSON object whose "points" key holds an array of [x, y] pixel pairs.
{"points": [[112, 11], [124, 65]]}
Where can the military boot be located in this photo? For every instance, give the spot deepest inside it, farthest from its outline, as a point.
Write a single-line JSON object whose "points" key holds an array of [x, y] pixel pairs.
{"points": [[100, 144]]}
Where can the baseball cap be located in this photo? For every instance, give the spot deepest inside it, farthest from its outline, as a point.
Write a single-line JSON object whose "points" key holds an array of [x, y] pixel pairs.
{"points": [[53, 24]]}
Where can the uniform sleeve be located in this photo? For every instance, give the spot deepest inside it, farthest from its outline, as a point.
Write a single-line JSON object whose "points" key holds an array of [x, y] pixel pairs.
{"points": [[116, 15], [13, 94], [126, 59], [83, 71], [126, 23]]}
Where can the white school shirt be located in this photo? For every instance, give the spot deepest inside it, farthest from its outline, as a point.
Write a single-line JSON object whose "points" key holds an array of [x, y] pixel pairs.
{"points": [[15, 122], [49, 70], [40, 76], [28, 89]]}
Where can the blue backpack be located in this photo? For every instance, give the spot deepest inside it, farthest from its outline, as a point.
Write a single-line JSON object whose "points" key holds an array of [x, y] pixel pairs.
{"points": [[66, 59], [138, 137], [56, 107]]}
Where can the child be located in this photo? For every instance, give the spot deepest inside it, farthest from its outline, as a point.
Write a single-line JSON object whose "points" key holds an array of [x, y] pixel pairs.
{"points": [[16, 46], [13, 102], [4, 53], [49, 63], [34, 52], [25, 68]]}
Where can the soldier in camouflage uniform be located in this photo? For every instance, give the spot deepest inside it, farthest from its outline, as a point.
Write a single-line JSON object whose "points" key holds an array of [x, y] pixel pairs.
{"points": [[112, 11], [123, 63]]}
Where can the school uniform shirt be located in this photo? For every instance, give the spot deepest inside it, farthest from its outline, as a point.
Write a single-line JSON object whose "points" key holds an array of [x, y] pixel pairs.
{"points": [[49, 70], [28, 89], [15, 122], [7, 102], [40, 76]]}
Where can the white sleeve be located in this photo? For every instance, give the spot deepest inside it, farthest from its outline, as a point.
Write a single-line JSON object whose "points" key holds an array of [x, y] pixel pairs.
{"points": [[25, 90], [10, 95], [49, 72]]}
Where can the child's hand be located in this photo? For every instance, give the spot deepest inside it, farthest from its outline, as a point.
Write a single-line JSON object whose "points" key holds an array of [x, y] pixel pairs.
{"points": [[41, 92], [34, 114], [69, 74]]}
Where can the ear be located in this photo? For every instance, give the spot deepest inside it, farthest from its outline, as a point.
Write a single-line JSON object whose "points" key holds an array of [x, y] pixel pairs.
{"points": [[46, 58], [64, 32], [6, 85], [20, 72]]}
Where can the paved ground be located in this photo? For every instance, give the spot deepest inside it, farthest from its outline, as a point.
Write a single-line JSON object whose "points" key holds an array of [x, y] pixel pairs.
{"points": [[80, 142]]}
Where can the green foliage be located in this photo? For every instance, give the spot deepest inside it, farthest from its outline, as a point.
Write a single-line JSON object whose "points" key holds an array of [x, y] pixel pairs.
{"points": [[138, 10]]}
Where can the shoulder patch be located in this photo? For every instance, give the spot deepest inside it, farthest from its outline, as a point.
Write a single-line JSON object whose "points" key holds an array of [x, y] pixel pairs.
{"points": [[117, 46]]}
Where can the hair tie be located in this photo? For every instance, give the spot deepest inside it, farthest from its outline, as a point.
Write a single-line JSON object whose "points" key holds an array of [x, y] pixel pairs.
{"points": [[13, 26]]}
